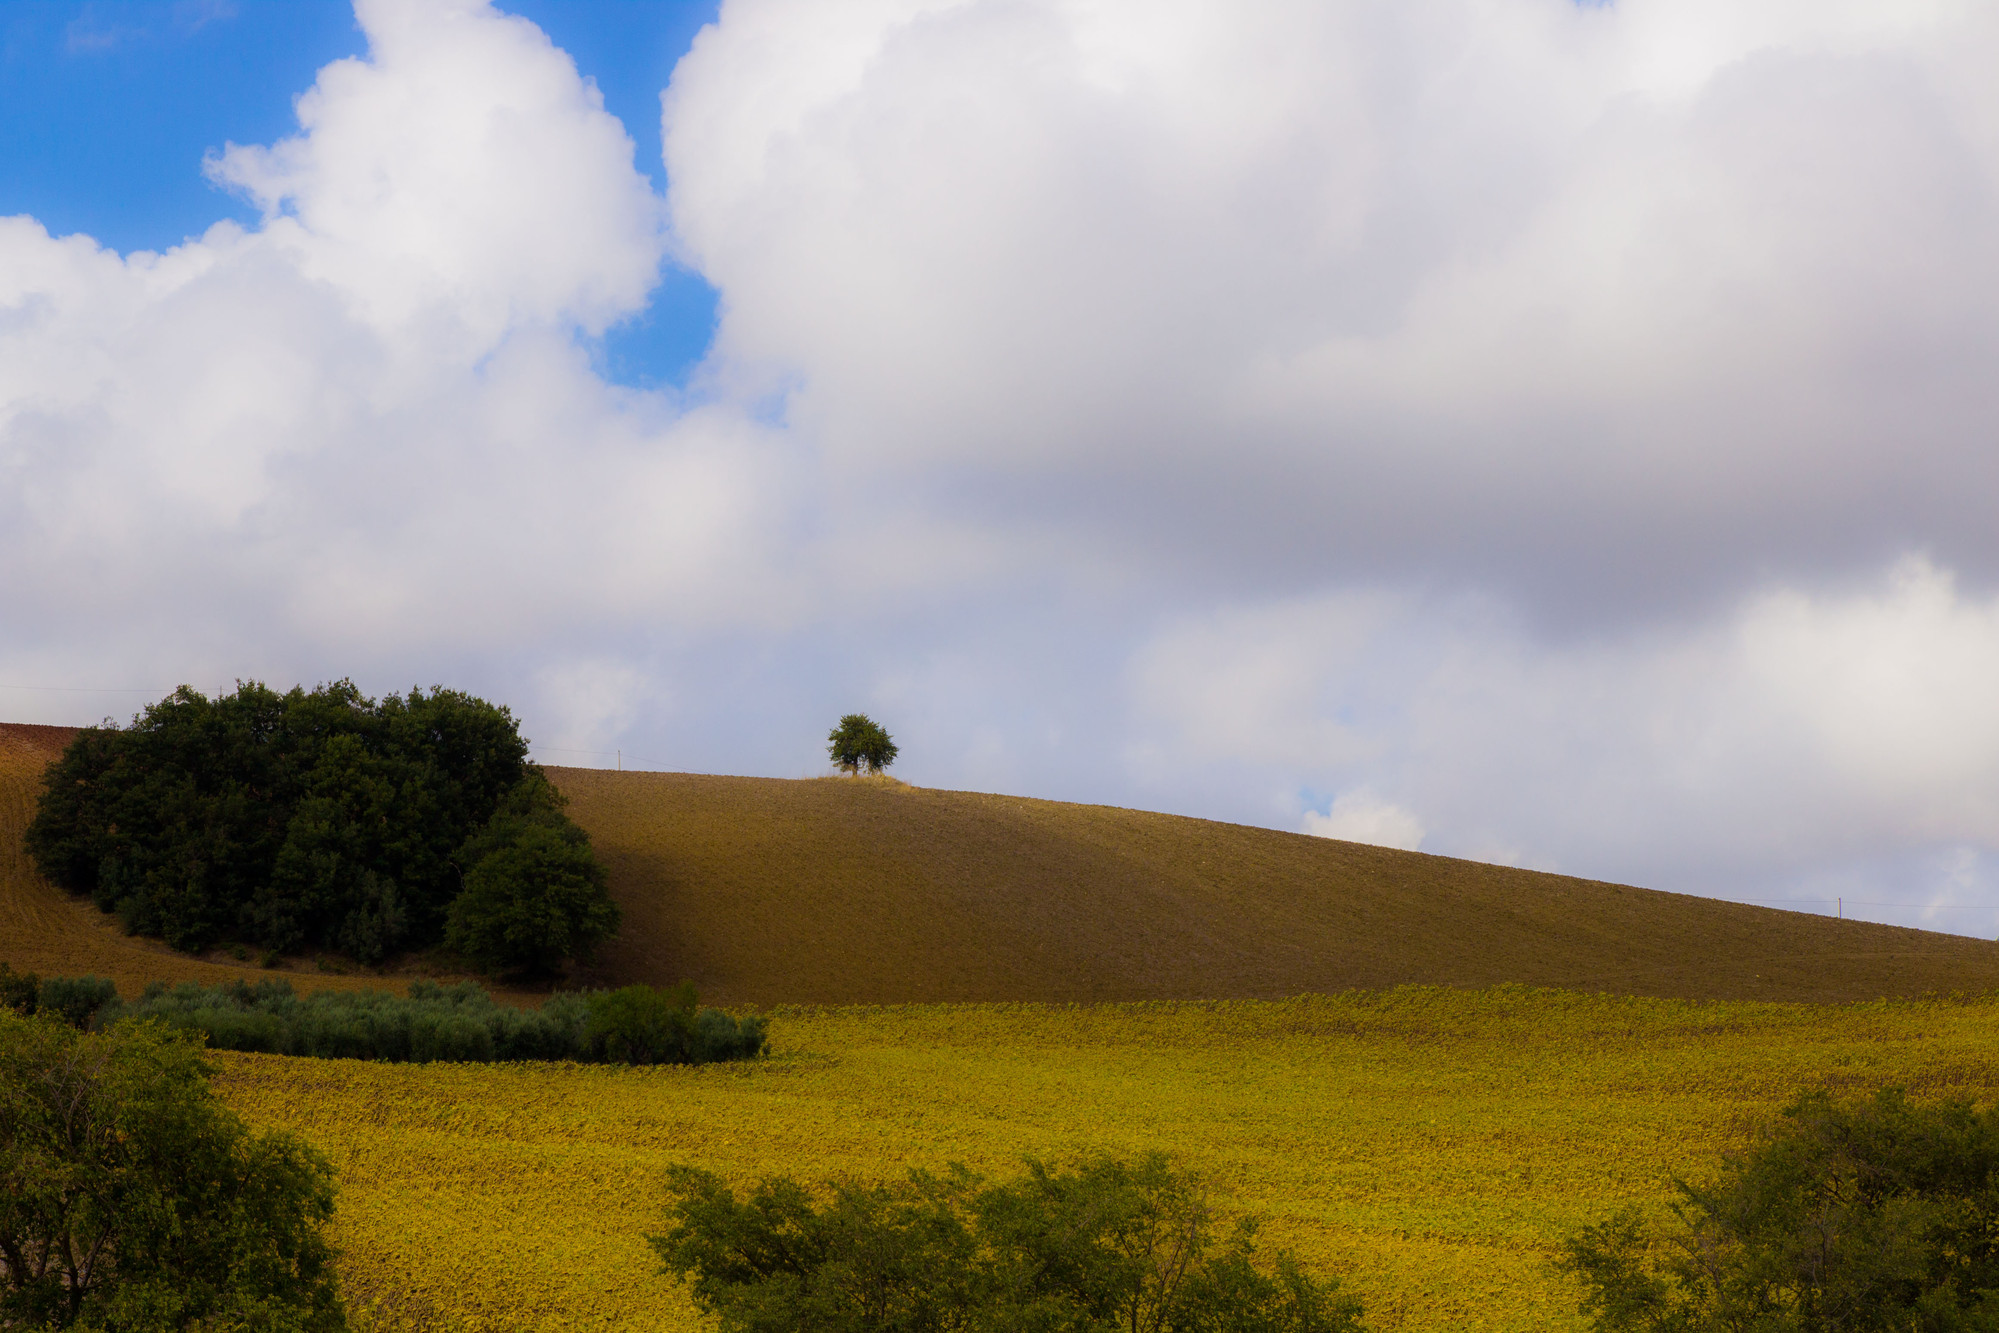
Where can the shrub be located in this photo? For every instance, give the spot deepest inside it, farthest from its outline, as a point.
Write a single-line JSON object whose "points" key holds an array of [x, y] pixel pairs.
{"points": [[1878, 1214], [132, 1201], [433, 1022], [644, 1025], [720, 1036], [1108, 1245], [75, 1000], [19, 991]]}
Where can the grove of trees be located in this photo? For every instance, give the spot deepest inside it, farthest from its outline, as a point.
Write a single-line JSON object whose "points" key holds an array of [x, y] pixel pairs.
{"points": [[324, 819]]}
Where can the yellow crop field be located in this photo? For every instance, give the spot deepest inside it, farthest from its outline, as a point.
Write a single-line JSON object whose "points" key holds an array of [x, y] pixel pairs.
{"points": [[1431, 1145]]}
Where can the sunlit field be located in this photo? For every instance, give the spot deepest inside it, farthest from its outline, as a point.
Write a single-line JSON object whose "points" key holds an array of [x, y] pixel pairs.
{"points": [[1430, 1146]]}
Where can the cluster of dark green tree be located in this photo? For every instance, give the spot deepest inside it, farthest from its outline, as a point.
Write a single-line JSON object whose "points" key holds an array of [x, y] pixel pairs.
{"points": [[132, 1201], [1106, 1247], [634, 1025], [325, 819], [1868, 1216]]}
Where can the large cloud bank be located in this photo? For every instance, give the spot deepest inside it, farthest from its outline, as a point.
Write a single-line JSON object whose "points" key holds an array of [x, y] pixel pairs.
{"points": [[1527, 430]]}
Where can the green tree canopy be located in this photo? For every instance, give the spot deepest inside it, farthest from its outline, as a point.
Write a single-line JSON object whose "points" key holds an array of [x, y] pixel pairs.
{"points": [[132, 1201], [1848, 1217], [859, 742], [535, 894], [1108, 1246], [318, 819]]}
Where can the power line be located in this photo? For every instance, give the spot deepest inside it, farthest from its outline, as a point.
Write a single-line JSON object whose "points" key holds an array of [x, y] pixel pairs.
{"points": [[619, 754], [1861, 902]]}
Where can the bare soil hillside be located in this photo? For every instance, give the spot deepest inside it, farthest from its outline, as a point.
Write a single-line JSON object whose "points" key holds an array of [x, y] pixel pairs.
{"points": [[764, 891], [842, 890]]}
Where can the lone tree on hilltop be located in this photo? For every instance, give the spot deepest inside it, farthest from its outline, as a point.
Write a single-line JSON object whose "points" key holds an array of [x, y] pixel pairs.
{"points": [[860, 742]]}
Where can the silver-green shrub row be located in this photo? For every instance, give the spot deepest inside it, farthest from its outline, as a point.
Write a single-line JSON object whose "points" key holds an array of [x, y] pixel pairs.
{"points": [[633, 1025]]}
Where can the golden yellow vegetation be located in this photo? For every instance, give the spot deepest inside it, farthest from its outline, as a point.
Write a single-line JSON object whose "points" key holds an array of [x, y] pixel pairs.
{"points": [[1433, 1144]]}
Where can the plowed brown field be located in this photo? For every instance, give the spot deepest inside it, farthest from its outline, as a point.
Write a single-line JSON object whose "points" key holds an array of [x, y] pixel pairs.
{"points": [[767, 891], [839, 890]]}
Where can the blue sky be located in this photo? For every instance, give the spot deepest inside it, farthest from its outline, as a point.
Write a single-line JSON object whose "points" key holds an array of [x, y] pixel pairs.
{"points": [[1545, 433], [107, 108]]}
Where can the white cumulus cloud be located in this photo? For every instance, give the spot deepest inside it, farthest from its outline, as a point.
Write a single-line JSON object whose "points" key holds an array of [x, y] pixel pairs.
{"points": [[1569, 422], [1361, 816], [367, 435]]}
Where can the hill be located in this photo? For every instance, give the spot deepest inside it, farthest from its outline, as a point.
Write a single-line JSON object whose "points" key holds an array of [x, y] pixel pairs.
{"points": [[842, 890], [836, 890]]}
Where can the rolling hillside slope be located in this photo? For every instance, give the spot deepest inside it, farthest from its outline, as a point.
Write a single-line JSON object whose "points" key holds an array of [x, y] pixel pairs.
{"points": [[44, 930], [840, 890], [767, 891]]}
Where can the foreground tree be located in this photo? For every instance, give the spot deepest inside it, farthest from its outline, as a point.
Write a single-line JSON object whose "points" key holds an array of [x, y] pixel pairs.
{"points": [[132, 1201], [1107, 1246], [1848, 1217], [859, 742]]}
